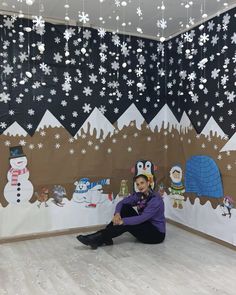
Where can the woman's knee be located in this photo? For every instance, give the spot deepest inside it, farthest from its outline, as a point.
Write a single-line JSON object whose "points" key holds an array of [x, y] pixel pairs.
{"points": [[127, 210]]}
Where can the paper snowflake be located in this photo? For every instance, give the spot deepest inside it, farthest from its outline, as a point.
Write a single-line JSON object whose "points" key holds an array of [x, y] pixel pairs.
{"points": [[139, 11], [101, 32], [162, 24], [87, 108], [83, 17], [38, 21], [4, 97]]}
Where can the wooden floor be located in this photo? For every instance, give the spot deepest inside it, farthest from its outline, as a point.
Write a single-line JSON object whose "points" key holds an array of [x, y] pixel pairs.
{"points": [[183, 264]]}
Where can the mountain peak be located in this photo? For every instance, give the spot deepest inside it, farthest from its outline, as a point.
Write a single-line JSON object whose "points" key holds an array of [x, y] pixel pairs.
{"points": [[230, 144], [213, 128], [48, 120], [185, 123], [131, 114], [15, 130], [164, 119], [96, 122]]}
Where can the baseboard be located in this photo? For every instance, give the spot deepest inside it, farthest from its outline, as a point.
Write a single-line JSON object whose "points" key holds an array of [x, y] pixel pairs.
{"points": [[77, 230], [41, 235], [201, 234]]}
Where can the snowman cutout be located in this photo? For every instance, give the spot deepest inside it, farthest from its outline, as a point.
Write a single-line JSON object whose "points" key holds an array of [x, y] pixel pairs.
{"points": [[18, 188]]}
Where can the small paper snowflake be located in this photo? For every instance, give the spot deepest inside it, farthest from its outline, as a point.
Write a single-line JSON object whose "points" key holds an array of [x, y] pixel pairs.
{"points": [[83, 17]]}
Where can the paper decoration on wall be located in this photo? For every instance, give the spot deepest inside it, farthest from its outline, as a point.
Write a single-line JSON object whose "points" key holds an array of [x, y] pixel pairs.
{"points": [[124, 190], [203, 177], [161, 189], [227, 205], [91, 193], [90, 69], [164, 119], [18, 188], [147, 168], [131, 114], [76, 65], [42, 196], [177, 187], [58, 193], [97, 123]]}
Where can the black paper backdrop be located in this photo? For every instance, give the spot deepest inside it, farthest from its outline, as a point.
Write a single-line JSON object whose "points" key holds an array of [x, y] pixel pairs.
{"points": [[153, 74]]}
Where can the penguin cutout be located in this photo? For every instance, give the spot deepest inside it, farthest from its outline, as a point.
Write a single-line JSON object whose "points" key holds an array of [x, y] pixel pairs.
{"points": [[147, 168]]}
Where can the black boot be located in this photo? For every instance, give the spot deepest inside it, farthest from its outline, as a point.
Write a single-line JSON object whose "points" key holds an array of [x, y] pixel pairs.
{"points": [[94, 240], [107, 242]]}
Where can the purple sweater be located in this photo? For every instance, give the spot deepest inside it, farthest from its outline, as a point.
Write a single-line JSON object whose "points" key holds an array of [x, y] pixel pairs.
{"points": [[153, 211]]}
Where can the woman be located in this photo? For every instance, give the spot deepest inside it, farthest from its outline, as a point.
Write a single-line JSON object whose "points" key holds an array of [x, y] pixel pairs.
{"points": [[148, 225]]}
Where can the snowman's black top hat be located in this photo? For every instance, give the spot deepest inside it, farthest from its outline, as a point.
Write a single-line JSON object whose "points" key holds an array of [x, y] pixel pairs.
{"points": [[16, 152]]}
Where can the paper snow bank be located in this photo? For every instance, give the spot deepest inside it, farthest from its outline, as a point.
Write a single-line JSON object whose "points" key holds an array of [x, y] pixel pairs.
{"points": [[28, 218], [203, 218]]}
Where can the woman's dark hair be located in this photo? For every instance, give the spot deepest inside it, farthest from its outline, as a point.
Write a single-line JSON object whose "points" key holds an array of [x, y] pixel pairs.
{"points": [[140, 176]]}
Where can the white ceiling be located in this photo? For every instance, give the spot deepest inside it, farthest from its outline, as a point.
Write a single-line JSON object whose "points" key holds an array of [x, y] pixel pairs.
{"points": [[175, 13]]}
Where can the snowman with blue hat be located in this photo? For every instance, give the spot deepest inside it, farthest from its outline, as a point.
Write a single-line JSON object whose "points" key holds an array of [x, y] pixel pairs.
{"points": [[18, 188]]}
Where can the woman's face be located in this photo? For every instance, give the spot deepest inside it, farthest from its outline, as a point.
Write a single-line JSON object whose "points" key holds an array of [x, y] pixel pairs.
{"points": [[142, 185]]}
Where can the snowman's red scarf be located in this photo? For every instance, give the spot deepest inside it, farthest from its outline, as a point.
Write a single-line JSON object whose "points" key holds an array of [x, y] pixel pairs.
{"points": [[15, 173]]}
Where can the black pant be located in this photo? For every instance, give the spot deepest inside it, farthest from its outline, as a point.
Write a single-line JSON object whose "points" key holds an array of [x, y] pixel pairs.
{"points": [[145, 232]]}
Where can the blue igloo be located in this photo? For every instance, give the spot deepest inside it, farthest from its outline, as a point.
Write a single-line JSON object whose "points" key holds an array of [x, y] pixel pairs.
{"points": [[202, 176]]}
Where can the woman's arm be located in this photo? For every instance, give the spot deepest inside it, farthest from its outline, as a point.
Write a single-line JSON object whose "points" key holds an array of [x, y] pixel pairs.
{"points": [[152, 208], [130, 200]]}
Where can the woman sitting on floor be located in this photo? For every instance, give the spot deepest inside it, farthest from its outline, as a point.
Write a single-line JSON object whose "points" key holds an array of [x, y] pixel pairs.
{"points": [[148, 225]]}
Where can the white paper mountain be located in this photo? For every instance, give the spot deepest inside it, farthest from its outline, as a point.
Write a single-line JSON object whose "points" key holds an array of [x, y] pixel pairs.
{"points": [[131, 114], [48, 120], [164, 119], [230, 145], [185, 123], [97, 122], [212, 128], [15, 130]]}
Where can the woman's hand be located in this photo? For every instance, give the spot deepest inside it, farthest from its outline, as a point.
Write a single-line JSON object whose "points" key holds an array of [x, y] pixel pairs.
{"points": [[116, 219], [121, 222]]}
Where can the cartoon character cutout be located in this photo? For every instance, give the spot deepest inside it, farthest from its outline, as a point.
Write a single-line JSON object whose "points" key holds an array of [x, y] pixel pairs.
{"points": [[18, 188], [58, 193], [42, 197], [227, 205], [177, 188], [161, 189], [91, 193], [124, 190], [147, 168]]}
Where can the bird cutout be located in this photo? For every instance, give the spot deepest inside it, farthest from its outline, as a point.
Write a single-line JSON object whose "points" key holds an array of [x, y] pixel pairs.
{"points": [[177, 188], [124, 190], [42, 196], [147, 168], [227, 205], [58, 193]]}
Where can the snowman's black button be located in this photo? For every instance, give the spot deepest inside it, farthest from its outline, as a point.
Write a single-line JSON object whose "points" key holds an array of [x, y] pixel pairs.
{"points": [[18, 183], [18, 200], [18, 188], [18, 195]]}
